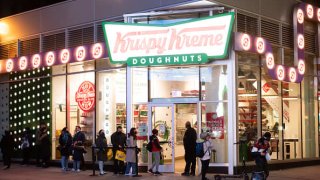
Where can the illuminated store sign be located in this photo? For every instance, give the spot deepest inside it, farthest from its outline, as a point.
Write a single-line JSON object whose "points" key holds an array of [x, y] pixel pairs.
{"points": [[81, 53], [245, 42], [188, 42], [85, 96]]}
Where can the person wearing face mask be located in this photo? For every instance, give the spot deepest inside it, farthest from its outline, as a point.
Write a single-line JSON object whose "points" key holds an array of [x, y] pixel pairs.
{"points": [[118, 140], [101, 144], [78, 148], [131, 152]]}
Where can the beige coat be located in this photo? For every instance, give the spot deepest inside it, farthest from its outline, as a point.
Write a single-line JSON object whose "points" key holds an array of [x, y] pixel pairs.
{"points": [[131, 152]]}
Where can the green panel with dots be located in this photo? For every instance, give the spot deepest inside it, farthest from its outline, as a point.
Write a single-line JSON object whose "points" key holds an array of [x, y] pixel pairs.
{"points": [[29, 104]]}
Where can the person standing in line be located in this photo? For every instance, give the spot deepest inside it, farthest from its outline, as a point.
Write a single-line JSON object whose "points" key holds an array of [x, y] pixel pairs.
{"points": [[78, 148], [6, 146], [45, 146], [38, 144], [118, 140], [189, 143], [207, 149], [26, 145], [102, 147], [156, 150], [65, 141], [259, 151], [131, 152]]}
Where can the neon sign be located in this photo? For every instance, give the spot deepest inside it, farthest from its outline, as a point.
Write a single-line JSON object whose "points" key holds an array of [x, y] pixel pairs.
{"points": [[145, 45], [81, 53], [243, 42], [36, 61], [65, 56]]}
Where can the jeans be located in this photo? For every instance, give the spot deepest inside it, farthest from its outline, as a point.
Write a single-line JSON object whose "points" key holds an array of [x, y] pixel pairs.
{"points": [[101, 167], [64, 162], [129, 165], [204, 168], [156, 161], [76, 165]]}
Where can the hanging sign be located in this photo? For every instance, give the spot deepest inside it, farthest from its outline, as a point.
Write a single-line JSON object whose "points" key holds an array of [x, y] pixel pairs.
{"points": [[85, 96], [188, 42]]}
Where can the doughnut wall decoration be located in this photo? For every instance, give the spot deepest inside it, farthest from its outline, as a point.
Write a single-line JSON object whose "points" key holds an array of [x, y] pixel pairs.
{"points": [[245, 42]]}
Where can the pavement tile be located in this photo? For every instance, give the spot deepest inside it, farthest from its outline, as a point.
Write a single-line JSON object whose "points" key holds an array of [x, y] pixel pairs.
{"points": [[18, 172]]}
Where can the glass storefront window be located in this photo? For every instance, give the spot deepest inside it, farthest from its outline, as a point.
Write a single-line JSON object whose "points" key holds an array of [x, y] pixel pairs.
{"points": [[309, 109], [81, 66], [248, 106], [75, 115], [271, 111], [214, 82], [291, 120], [111, 101], [174, 82], [59, 111], [214, 119]]}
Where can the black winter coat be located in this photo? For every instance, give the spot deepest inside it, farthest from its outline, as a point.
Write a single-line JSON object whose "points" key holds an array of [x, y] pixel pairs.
{"points": [[101, 144], [78, 146], [189, 142], [118, 139], [7, 145], [65, 143]]}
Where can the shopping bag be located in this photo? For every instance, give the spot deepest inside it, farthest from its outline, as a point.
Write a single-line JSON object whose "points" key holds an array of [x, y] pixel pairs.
{"points": [[120, 155], [109, 154]]}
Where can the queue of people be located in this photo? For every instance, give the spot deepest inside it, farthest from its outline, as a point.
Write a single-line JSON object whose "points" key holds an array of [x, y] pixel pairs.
{"points": [[75, 147]]}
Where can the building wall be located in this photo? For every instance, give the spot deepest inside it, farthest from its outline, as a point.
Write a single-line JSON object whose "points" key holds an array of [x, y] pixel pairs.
{"points": [[73, 13], [275, 9]]}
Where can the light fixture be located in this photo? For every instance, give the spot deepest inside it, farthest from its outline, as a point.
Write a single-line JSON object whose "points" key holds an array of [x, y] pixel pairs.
{"points": [[241, 73], [251, 77], [241, 86]]}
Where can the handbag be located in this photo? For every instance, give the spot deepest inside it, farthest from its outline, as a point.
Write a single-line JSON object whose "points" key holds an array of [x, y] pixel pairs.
{"points": [[109, 154], [120, 155]]}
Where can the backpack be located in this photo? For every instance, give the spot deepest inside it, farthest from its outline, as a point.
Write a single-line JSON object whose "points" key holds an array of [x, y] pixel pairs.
{"points": [[149, 146], [199, 149]]}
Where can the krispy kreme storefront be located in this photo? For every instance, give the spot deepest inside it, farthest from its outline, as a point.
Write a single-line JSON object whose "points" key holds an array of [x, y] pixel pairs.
{"points": [[162, 70]]}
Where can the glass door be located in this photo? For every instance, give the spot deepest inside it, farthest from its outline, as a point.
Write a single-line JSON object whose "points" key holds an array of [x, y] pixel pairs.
{"points": [[161, 117]]}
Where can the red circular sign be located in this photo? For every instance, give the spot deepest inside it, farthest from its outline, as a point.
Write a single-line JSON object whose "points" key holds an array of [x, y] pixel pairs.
{"points": [[85, 96]]}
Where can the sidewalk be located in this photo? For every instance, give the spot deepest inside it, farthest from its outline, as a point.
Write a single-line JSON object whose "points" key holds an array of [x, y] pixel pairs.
{"points": [[18, 172]]}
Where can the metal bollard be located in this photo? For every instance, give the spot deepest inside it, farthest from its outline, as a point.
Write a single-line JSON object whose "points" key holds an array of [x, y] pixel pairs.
{"points": [[93, 162]]}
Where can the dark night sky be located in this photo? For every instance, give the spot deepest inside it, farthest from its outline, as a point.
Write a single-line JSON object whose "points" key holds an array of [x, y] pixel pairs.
{"points": [[11, 7]]}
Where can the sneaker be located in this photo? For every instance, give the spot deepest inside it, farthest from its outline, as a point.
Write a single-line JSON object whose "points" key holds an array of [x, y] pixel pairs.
{"points": [[128, 174], [73, 170], [157, 173], [78, 170], [185, 174], [150, 171]]}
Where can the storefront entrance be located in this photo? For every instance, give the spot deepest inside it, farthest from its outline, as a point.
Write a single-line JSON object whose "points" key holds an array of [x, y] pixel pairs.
{"points": [[169, 120]]}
